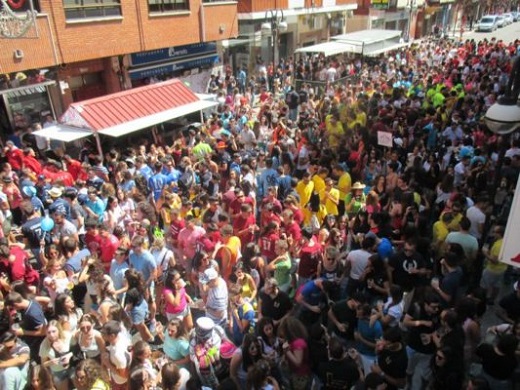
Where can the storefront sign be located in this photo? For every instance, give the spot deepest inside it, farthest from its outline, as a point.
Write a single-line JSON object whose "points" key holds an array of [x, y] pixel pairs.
{"points": [[172, 53], [136, 74], [379, 4]]}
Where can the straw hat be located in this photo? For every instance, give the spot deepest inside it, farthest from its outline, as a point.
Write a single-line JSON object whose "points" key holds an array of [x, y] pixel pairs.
{"points": [[358, 186]]}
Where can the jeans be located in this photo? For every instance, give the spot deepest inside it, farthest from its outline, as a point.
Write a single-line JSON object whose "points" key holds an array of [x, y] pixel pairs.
{"points": [[418, 368]]}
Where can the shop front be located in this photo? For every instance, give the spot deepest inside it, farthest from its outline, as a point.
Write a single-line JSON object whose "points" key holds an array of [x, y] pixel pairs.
{"points": [[26, 101], [193, 64]]}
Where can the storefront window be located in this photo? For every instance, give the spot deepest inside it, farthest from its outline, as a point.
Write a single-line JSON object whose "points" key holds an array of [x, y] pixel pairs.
{"points": [[28, 106]]}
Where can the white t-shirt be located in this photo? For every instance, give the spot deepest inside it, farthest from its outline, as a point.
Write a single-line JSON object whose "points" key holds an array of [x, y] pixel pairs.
{"points": [[477, 218], [358, 260], [120, 358]]}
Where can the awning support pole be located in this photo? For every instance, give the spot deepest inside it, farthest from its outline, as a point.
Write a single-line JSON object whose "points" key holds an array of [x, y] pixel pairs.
{"points": [[98, 144]]}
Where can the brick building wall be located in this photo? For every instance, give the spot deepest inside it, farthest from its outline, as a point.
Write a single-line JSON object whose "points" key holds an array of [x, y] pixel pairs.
{"points": [[64, 42]]}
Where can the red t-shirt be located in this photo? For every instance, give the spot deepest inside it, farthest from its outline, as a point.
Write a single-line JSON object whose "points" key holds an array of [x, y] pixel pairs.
{"points": [[107, 249], [310, 257], [241, 223], [267, 244], [294, 231], [175, 227], [93, 241]]}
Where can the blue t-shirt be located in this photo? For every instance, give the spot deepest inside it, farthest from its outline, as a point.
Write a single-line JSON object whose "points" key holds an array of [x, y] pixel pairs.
{"points": [[370, 334], [117, 273], [73, 264], [268, 178], [245, 312], [385, 249], [176, 349], [146, 171], [311, 293], [156, 183], [98, 207], [143, 263]]}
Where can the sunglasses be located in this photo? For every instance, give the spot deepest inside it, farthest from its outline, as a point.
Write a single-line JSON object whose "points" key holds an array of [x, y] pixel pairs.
{"points": [[85, 328], [440, 357]]}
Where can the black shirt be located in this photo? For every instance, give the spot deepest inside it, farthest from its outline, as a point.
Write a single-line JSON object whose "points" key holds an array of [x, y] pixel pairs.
{"points": [[347, 316], [32, 231], [338, 374], [393, 363], [511, 304], [275, 308], [418, 313], [401, 264], [495, 365]]}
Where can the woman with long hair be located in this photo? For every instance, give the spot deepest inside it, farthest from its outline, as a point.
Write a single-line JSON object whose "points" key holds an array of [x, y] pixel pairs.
{"points": [[89, 340], [39, 378], [165, 260], [114, 214], [269, 342], [141, 360], [90, 376], [176, 345], [244, 358], [447, 370], [55, 280], [259, 377], [66, 312], [254, 263], [173, 377], [55, 354], [176, 299], [137, 309], [295, 352], [107, 299]]}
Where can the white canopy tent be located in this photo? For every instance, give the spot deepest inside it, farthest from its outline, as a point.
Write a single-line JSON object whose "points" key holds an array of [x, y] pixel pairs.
{"points": [[331, 48], [63, 133], [365, 42]]}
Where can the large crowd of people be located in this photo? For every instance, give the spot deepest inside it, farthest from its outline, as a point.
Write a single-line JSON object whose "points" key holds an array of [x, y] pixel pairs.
{"points": [[280, 245]]}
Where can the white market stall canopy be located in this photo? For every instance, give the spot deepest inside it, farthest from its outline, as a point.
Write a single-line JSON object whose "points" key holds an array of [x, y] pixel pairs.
{"points": [[62, 133], [331, 48], [365, 42]]}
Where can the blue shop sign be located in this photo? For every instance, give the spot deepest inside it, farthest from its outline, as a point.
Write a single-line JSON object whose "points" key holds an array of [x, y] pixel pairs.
{"points": [[172, 53], [137, 74]]}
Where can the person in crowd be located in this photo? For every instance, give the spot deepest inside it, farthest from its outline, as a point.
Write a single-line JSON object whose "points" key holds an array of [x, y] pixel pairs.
{"points": [[295, 352], [39, 378], [175, 342], [274, 303], [15, 362], [55, 354], [498, 361], [243, 359]]}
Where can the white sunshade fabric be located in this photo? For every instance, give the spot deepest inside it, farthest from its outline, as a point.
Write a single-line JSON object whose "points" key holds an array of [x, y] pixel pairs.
{"points": [[367, 37], [330, 48], [63, 133], [151, 120], [377, 49]]}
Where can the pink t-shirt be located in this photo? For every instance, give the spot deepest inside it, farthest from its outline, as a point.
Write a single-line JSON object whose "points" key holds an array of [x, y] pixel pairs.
{"points": [[170, 309], [305, 368]]}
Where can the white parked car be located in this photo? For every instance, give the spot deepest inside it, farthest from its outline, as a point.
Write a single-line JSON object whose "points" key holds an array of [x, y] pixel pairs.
{"points": [[487, 23], [508, 18], [501, 21]]}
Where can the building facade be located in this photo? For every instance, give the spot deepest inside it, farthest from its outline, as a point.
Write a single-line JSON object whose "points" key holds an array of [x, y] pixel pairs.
{"points": [[55, 52]]}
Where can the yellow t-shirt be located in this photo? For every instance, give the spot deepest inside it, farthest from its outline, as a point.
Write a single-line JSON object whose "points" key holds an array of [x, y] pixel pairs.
{"points": [[319, 183], [305, 192], [344, 185], [440, 232], [330, 206], [495, 252]]}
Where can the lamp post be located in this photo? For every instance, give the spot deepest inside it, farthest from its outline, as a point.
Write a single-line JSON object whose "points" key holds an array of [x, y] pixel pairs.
{"points": [[503, 117], [275, 24]]}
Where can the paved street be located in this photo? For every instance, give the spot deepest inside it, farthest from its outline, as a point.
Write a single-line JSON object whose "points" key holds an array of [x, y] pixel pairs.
{"points": [[507, 34]]}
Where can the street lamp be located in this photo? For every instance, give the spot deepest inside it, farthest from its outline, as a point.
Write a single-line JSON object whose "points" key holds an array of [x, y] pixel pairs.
{"points": [[503, 117], [275, 25]]}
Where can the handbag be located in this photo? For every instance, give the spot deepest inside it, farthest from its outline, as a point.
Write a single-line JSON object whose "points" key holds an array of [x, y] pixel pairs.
{"points": [[77, 355]]}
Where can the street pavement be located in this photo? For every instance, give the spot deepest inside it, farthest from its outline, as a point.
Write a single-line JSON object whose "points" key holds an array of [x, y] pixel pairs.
{"points": [[506, 34]]}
